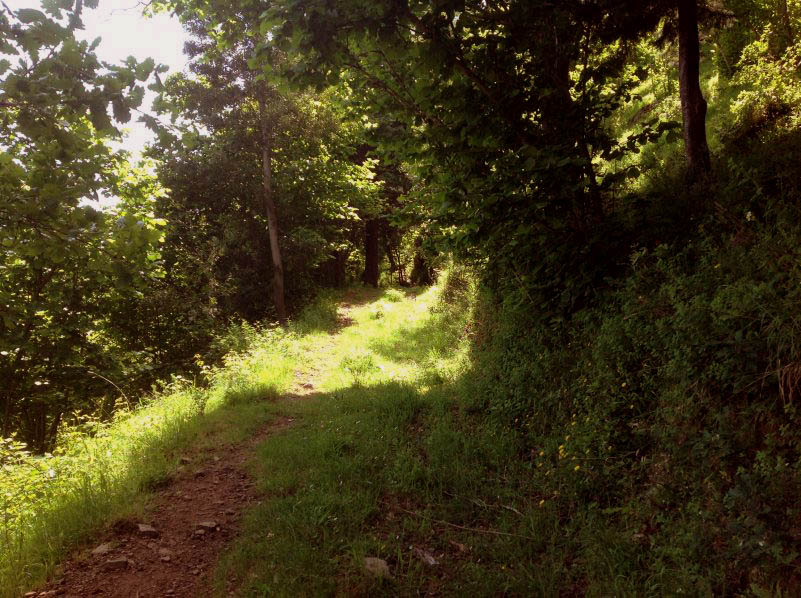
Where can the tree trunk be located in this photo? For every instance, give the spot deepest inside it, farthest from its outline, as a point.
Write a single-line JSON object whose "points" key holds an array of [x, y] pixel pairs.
{"points": [[371, 234], [272, 214], [422, 273], [393, 266], [693, 104], [788, 26]]}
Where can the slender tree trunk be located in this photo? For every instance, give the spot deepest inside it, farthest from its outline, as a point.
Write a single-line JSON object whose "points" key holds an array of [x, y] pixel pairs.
{"points": [[558, 117], [422, 274], [788, 26], [371, 234], [270, 211], [393, 266], [693, 104]]}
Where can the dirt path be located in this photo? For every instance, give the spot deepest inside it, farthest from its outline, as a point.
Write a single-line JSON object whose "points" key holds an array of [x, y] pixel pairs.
{"points": [[173, 552]]}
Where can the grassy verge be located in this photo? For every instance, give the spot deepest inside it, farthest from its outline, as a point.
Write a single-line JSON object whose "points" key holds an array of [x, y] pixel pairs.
{"points": [[49, 505], [383, 462]]}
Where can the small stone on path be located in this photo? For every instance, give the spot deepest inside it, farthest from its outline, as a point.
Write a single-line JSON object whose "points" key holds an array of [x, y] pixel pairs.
{"points": [[117, 564], [209, 526], [376, 567], [148, 531], [102, 549], [424, 556]]}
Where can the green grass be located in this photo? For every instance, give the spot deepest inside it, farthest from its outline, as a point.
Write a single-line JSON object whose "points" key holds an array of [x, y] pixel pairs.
{"points": [[102, 472], [383, 462], [391, 455], [51, 505]]}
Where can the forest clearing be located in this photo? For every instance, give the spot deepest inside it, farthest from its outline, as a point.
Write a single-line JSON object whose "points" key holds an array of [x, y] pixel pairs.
{"points": [[400, 297]]}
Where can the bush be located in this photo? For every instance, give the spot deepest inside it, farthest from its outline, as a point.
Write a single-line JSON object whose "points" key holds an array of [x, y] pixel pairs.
{"points": [[667, 411]]}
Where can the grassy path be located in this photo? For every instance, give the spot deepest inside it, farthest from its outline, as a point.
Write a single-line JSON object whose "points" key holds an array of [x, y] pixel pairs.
{"points": [[366, 475], [341, 344]]}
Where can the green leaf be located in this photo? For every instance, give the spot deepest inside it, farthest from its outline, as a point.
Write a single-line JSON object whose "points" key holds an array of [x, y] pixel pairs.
{"points": [[144, 68], [30, 15]]}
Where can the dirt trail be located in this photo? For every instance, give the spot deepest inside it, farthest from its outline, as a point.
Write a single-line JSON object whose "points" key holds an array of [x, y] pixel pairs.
{"points": [[173, 552], [188, 523]]}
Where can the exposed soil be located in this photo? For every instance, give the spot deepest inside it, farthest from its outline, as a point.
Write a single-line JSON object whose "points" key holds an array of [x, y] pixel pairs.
{"points": [[173, 552], [193, 517]]}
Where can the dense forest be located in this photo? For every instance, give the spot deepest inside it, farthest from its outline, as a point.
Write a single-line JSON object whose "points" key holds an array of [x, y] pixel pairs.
{"points": [[618, 182]]}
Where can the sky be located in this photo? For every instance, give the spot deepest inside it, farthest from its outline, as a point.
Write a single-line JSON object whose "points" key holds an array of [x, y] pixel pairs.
{"points": [[125, 32]]}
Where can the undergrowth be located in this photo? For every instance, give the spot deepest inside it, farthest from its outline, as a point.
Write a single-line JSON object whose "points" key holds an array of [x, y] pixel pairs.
{"points": [[100, 469]]}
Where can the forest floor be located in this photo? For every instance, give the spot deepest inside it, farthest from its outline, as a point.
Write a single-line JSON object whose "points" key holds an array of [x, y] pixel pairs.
{"points": [[363, 476], [171, 548]]}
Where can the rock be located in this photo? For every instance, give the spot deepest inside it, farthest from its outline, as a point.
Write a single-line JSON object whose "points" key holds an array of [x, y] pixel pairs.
{"points": [[209, 526], [117, 564], [376, 567], [102, 549], [148, 531], [196, 572], [30, 595], [184, 460], [165, 552], [165, 559], [460, 547], [200, 532], [424, 556]]}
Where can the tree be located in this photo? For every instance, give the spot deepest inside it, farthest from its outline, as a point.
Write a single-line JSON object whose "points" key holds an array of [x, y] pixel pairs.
{"points": [[505, 105], [243, 153], [693, 104], [269, 205], [63, 263]]}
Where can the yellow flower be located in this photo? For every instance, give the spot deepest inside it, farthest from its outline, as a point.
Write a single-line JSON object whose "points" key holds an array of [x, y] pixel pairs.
{"points": [[577, 467]]}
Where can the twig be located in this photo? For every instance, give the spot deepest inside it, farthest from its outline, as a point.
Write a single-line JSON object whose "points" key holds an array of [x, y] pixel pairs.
{"points": [[471, 529], [124, 396]]}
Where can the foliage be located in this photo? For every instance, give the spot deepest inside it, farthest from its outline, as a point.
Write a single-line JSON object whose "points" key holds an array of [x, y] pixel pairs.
{"points": [[771, 86], [669, 407], [219, 224], [64, 265], [509, 176], [52, 503]]}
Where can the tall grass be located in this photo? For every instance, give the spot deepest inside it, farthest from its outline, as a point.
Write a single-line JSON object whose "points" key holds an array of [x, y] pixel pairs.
{"points": [[51, 504]]}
